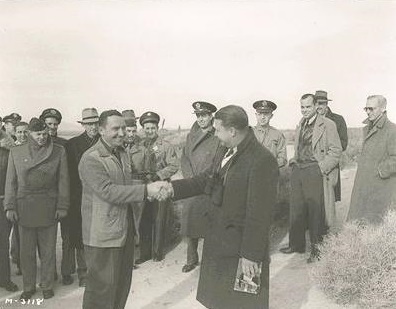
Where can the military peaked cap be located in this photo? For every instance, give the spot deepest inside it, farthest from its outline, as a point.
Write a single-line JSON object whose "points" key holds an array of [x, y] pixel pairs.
{"points": [[201, 107], [264, 106], [149, 117], [51, 113]]}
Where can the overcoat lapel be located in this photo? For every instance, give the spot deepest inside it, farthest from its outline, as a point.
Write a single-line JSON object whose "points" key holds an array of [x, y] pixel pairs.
{"points": [[319, 128], [48, 152], [199, 136]]}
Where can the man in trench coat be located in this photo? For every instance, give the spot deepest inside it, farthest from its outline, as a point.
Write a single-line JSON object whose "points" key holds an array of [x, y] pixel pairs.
{"points": [[375, 181], [202, 152], [313, 177], [243, 192], [37, 196]]}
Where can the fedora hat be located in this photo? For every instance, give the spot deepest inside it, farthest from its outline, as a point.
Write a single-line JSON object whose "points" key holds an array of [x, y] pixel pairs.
{"points": [[321, 95], [89, 115]]}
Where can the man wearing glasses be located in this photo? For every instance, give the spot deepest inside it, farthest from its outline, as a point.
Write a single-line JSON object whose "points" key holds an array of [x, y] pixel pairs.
{"points": [[375, 181]]}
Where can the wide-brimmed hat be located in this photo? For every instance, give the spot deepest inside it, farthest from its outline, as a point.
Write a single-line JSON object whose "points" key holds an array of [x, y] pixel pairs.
{"points": [[321, 96], [89, 115]]}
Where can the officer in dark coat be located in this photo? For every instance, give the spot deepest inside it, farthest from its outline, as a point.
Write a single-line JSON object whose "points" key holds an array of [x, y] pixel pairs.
{"points": [[37, 196], [243, 193], [324, 109], [201, 153], [72, 233]]}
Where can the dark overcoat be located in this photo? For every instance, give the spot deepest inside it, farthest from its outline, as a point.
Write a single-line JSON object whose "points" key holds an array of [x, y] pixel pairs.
{"points": [[343, 134], [243, 194], [37, 187], [202, 153], [375, 181], [75, 147]]}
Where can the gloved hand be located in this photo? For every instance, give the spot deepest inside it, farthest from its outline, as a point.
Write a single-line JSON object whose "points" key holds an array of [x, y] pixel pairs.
{"points": [[12, 216]]}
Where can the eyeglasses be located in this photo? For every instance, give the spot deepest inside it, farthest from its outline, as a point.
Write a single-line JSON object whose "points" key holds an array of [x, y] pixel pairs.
{"points": [[368, 109]]}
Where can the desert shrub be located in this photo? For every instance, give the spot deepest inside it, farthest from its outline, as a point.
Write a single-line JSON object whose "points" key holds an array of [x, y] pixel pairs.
{"points": [[358, 265]]}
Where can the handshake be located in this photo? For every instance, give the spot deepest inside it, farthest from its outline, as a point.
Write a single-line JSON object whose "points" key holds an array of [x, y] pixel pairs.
{"points": [[159, 190]]}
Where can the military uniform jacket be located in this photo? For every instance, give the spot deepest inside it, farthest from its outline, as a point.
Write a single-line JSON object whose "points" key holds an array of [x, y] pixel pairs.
{"points": [[202, 153], [75, 148], [274, 141], [37, 188], [167, 162]]}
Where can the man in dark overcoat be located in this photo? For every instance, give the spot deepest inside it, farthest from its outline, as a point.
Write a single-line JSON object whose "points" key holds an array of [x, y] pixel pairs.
{"points": [[73, 250], [375, 181], [243, 192], [324, 110], [201, 153], [6, 142], [37, 196]]}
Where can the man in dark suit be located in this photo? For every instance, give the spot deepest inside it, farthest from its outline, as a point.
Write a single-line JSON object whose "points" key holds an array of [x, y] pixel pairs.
{"points": [[72, 245], [324, 110], [202, 152], [37, 196], [243, 192]]}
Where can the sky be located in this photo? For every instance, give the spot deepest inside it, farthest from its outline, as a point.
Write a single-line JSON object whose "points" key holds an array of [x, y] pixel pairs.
{"points": [[164, 55]]}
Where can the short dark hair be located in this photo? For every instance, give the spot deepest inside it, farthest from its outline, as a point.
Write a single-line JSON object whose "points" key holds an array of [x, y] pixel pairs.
{"points": [[21, 123], [106, 114], [233, 116], [307, 95]]}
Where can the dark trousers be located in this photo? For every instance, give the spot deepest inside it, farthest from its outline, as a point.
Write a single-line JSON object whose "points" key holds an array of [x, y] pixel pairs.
{"points": [[109, 275], [192, 250], [43, 239], [71, 254], [306, 207], [152, 230], [5, 229]]}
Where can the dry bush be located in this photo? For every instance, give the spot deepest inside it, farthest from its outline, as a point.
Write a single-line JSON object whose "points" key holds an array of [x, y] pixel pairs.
{"points": [[358, 265]]}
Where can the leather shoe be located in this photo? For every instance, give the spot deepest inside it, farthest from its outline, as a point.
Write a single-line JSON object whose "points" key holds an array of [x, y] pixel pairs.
{"points": [[189, 267], [82, 283], [158, 258], [27, 295], [289, 250], [48, 294], [67, 280], [9, 286]]}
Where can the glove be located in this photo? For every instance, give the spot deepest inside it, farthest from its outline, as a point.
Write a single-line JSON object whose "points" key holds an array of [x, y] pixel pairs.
{"points": [[12, 215], [60, 213]]}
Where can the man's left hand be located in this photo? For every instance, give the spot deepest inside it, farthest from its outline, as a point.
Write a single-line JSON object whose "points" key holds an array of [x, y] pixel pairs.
{"points": [[60, 213]]}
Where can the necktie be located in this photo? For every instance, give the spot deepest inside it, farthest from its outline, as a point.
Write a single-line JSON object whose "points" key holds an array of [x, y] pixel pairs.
{"points": [[227, 156]]}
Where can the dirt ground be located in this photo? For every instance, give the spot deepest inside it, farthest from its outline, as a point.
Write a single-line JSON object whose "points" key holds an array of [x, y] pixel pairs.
{"points": [[157, 285]]}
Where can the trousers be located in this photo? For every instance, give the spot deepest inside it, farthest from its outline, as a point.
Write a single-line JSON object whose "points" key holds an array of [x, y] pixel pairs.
{"points": [[5, 230], [307, 208], [31, 240]]}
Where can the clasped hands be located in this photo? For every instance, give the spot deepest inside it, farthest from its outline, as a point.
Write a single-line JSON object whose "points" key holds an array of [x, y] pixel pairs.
{"points": [[159, 190]]}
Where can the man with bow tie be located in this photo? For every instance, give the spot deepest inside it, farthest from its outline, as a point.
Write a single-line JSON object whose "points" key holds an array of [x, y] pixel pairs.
{"points": [[313, 177], [375, 182]]}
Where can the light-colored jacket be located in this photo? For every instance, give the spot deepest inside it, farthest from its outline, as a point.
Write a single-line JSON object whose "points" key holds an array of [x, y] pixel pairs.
{"points": [[326, 148], [108, 191], [274, 141]]}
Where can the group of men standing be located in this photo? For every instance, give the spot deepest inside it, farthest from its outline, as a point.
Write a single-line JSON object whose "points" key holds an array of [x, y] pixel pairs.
{"points": [[111, 189]]}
